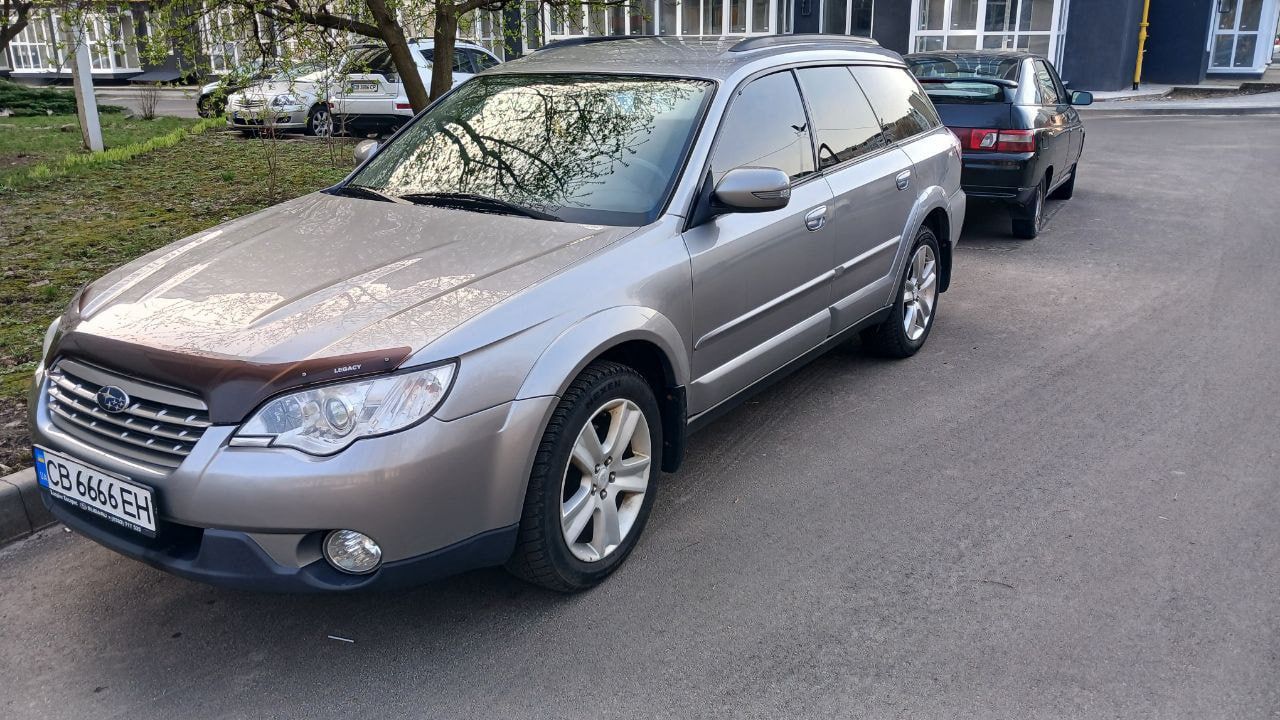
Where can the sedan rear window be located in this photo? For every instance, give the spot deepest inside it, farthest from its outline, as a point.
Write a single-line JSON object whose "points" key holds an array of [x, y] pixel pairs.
{"points": [[603, 149], [964, 79]]}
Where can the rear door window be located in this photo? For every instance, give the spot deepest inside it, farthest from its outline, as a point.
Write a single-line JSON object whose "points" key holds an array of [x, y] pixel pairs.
{"points": [[844, 124], [1046, 88], [462, 61], [482, 60], [903, 109], [766, 126]]}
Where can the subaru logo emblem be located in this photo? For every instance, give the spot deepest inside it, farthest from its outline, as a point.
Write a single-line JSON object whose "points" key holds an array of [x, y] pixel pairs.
{"points": [[112, 399]]}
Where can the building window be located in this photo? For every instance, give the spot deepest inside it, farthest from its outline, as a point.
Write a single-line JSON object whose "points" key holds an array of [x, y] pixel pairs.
{"points": [[847, 17], [484, 28], [46, 44], [1037, 26], [112, 46], [35, 48], [658, 17], [222, 41]]}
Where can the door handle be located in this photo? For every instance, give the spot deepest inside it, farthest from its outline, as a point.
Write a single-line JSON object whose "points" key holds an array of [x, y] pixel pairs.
{"points": [[816, 218], [904, 179]]}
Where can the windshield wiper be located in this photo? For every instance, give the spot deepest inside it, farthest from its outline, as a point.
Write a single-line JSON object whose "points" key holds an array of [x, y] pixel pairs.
{"points": [[472, 201], [363, 191]]}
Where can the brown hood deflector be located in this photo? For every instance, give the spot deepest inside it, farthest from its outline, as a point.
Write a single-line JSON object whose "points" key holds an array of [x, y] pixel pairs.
{"points": [[231, 388]]}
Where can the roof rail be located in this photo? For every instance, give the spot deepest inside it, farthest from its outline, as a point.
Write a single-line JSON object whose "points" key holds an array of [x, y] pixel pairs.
{"points": [[763, 42], [588, 40]]}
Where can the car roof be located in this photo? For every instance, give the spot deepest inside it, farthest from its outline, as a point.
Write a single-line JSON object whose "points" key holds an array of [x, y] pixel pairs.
{"points": [[1011, 54], [710, 58], [422, 43]]}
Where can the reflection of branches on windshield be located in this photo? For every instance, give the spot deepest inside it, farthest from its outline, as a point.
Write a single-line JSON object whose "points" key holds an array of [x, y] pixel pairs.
{"points": [[547, 144]]}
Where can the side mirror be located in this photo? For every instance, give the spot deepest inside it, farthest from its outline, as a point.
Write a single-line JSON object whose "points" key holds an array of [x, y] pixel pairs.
{"points": [[364, 149], [753, 189], [1081, 97]]}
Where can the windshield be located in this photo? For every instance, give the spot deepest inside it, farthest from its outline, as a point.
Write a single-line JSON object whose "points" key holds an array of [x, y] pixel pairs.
{"points": [[598, 149], [968, 73]]}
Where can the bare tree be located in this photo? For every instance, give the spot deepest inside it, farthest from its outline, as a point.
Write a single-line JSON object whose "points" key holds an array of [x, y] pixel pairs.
{"points": [[148, 98]]}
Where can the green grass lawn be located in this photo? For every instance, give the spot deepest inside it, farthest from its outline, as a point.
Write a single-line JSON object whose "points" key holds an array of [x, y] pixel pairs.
{"points": [[26, 141], [55, 236]]}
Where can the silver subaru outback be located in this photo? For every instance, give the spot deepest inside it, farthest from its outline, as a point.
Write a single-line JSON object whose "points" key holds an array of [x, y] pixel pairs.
{"points": [[485, 345]]}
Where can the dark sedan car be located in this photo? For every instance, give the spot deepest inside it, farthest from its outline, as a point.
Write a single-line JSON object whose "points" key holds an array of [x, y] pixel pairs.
{"points": [[1021, 133]]}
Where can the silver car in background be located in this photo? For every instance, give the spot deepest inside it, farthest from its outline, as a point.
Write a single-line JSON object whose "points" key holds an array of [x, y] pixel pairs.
{"points": [[484, 345]]}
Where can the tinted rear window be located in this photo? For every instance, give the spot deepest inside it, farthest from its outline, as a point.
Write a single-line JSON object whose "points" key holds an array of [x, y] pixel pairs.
{"points": [[965, 77], [845, 125], [1004, 68], [902, 107]]}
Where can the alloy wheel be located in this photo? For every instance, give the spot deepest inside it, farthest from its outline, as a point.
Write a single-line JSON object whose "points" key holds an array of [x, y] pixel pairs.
{"points": [[321, 123], [605, 480], [919, 292]]}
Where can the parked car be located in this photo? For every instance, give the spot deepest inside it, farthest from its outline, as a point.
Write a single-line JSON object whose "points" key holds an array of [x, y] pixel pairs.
{"points": [[1022, 135], [293, 98], [212, 100], [375, 101], [483, 346]]}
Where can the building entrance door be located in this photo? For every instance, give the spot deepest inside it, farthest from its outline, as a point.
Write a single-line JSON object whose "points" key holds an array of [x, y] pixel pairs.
{"points": [[1242, 35]]}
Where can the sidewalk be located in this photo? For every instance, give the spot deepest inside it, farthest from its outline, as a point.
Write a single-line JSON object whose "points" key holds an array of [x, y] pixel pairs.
{"points": [[1259, 104]]}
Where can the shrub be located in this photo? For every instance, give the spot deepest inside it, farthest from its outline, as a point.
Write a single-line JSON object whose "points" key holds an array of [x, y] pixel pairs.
{"points": [[22, 100]]}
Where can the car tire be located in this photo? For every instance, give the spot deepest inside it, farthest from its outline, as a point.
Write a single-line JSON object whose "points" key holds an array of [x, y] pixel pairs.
{"points": [[563, 490], [203, 107], [319, 121], [1068, 188], [902, 334], [1028, 218]]}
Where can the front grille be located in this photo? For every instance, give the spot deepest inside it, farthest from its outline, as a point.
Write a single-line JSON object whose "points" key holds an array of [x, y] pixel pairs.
{"points": [[159, 426], [252, 104]]}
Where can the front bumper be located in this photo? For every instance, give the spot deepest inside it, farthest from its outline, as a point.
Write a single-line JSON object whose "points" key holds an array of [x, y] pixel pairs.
{"points": [[1010, 177], [361, 124], [440, 497], [292, 119]]}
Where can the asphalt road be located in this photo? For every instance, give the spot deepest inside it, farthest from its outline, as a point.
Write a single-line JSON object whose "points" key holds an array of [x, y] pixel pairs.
{"points": [[174, 103], [1066, 506]]}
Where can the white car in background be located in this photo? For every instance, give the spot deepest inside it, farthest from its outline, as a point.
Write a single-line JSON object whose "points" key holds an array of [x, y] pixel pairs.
{"points": [[374, 100], [291, 99]]}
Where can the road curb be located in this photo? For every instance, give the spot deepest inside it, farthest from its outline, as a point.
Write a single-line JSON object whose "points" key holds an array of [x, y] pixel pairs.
{"points": [[1222, 111], [21, 511]]}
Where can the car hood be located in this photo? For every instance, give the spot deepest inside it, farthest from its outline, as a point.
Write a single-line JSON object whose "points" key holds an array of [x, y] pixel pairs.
{"points": [[321, 282], [272, 89]]}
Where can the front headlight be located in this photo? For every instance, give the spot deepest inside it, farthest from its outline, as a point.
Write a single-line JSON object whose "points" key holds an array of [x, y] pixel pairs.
{"points": [[326, 419], [285, 100]]}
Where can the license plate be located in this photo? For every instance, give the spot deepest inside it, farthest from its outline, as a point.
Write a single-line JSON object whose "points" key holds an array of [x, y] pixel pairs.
{"points": [[364, 87], [97, 491]]}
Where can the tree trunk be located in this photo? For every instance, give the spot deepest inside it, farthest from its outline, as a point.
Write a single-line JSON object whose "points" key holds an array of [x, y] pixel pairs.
{"points": [[445, 36], [393, 35]]}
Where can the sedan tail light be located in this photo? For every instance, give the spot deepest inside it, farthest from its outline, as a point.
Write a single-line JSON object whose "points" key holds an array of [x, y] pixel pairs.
{"points": [[991, 140]]}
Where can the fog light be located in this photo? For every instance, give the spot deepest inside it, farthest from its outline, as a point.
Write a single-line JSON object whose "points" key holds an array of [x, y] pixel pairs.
{"points": [[352, 552]]}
